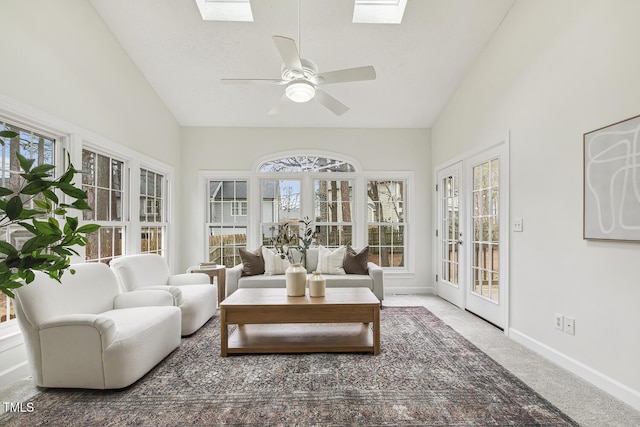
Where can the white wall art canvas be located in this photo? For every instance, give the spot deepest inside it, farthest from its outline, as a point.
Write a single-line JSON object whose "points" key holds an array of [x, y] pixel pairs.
{"points": [[612, 181]]}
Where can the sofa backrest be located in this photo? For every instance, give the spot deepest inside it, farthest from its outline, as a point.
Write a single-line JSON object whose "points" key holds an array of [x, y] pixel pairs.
{"points": [[91, 290], [140, 270]]}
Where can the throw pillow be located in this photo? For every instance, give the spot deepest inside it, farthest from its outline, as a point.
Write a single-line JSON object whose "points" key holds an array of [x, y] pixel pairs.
{"points": [[331, 262], [273, 262], [252, 262], [356, 262]]}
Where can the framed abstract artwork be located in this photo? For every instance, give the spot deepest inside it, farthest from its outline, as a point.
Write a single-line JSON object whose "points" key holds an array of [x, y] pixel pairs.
{"points": [[612, 182]]}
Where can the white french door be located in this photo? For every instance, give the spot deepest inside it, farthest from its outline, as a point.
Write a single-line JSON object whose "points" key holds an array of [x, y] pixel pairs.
{"points": [[473, 234], [449, 232]]}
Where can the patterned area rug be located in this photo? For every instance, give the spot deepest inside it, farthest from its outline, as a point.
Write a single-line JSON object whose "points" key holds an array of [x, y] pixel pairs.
{"points": [[427, 374]]}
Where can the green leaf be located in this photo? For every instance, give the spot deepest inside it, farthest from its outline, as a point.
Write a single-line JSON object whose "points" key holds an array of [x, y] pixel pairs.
{"points": [[50, 195], [7, 248], [38, 243], [88, 228], [54, 223], [72, 222], [25, 163], [5, 291], [60, 211], [28, 227], [30, 213], [46, 228], [14, 207], [29, 276], [5, 191], [43, 204], [81, 205], [72, 191], [35, 187], [8, 134], [67, 176], [42, 169]]}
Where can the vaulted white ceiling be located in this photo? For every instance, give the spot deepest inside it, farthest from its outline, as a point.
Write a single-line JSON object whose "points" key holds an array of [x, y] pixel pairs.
{"points": [[418, 63]]}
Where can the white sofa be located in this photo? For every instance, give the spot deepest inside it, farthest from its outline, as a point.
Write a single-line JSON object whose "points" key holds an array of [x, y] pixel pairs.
{"points": [[84, 334], [193, 293], [372, 280]]}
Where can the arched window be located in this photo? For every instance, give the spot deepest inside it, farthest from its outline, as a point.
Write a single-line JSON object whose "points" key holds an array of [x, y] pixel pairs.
{"points": [[306, 164], [297, 188]]}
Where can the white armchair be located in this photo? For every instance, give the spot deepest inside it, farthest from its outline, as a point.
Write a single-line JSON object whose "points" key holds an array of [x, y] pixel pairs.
{"points": [[84, 334], [192, 292]]}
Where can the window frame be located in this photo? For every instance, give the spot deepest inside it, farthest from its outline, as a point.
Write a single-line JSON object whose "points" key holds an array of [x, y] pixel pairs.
{"points": [[408, 208], [163, 223], [124, 224], [205, 179], [359, 199]]}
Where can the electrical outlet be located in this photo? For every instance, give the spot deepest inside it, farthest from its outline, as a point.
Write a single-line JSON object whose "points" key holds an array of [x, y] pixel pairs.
{"points": [[559, 321], [570, 325], [517, 225]]}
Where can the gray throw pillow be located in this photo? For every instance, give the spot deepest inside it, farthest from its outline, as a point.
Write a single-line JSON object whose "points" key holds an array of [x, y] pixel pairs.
{"points": [[252, 262], [356, 262]]}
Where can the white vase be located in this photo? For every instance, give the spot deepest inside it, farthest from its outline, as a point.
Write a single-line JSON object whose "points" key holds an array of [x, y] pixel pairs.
{"points": [[295, 277], [317, 285]]}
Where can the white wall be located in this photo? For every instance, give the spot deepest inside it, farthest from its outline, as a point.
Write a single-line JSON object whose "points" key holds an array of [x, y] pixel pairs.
{"points": [[229, 149], [59, 59], [555, 70]]}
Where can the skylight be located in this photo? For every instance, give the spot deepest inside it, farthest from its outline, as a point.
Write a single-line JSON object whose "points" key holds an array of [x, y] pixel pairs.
{"points": [[225, 10], [378, 11]]}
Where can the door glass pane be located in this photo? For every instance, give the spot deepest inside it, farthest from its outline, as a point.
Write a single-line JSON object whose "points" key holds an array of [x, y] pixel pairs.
{"points": [[486, 232], [449, 226]]}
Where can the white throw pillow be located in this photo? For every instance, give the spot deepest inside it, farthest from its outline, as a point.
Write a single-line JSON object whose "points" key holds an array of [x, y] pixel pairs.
{"points": [[273, 263], [331, 262]]}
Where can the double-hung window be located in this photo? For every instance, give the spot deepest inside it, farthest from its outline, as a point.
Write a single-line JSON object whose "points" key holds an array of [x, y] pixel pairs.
{"points": [[333, 211], [386, 222], [226, 220], [102, 180], [153, 222]]}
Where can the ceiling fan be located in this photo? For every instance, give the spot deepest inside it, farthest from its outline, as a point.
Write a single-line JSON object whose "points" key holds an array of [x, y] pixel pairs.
{"points": [[301, 78]]}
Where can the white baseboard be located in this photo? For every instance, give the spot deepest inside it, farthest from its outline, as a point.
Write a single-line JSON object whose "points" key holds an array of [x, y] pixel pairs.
{"points": [[14, 373], [598, 379], [409, 290]]}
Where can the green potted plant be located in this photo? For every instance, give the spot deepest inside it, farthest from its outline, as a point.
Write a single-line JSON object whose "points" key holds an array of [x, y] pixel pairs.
{"points": [[33, 207]]}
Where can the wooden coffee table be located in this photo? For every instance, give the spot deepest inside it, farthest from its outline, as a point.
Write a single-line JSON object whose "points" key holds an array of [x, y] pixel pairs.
{"points": [[269, 321]]}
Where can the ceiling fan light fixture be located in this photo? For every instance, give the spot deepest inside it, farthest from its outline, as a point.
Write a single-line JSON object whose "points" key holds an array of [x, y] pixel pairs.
{"points": [[300, 91]]}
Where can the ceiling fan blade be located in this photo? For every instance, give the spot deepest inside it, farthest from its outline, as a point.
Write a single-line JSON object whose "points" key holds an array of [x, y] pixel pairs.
{"points": [[276, 82], [288, 52], [347, 75], [331, 103], [276, 109]]}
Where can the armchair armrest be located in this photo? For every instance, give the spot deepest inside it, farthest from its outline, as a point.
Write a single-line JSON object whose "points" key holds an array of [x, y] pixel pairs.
{"points": [[189, 279], [232, 276], [79, 325], [175, 292], [377, 277], [146, 298]]}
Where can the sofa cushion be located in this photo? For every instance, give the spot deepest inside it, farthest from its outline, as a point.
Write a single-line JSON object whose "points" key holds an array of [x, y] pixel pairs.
{"points": [[274, 263], [262, 281], [333, 281], [330, 262], [252, 261], [356, 262]]}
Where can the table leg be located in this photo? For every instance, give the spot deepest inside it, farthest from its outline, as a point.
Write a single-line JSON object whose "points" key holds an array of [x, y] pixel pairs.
{"points": [[224, 333], [376, 331], [222, 285]]}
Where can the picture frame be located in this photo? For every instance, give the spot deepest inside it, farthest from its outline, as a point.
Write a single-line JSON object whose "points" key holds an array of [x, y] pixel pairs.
{"points": [[611, 184]]}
